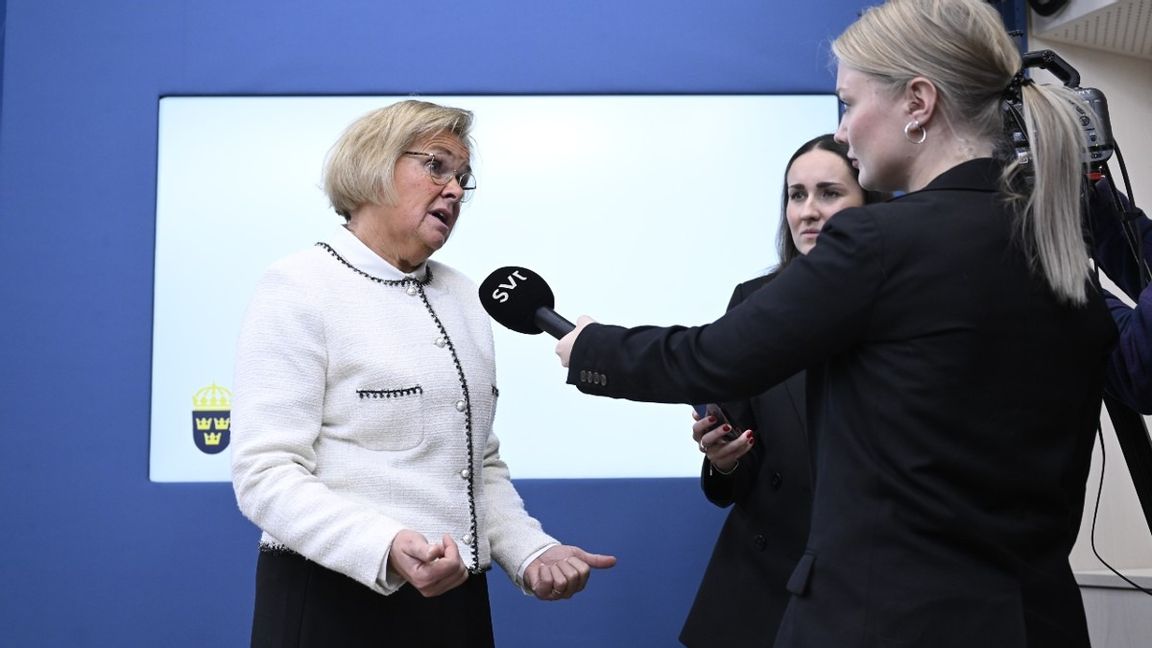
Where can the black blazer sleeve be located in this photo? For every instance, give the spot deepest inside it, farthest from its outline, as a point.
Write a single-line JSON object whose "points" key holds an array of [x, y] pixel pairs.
{"points": [[819, 307]]}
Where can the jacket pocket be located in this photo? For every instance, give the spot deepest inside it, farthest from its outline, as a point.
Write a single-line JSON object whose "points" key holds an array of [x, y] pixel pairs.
{"points": [[390, 418]]}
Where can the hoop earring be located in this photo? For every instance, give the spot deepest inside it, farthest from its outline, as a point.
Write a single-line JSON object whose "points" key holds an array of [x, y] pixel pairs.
{"points": [[915, 125]]}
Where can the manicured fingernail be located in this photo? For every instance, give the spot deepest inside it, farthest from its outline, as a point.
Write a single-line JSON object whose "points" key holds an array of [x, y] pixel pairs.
{"points": [[727, 428]]}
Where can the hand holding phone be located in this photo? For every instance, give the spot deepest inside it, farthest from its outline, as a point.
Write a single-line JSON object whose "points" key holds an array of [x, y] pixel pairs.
{"points": [[713, 409]]}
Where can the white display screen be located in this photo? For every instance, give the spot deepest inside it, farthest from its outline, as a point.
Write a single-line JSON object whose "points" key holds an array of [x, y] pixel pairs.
{"points": [[635, 209]]}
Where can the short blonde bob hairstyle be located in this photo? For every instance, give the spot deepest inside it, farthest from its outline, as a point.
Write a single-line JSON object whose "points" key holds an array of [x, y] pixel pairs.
{"points": [[359, 166]]}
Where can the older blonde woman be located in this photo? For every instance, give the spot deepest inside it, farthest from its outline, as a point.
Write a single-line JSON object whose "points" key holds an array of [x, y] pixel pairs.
{"points": [[364, 396]]}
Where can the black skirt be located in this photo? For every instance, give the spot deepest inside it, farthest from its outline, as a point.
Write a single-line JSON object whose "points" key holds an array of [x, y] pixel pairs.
{"points": [[300, 604]]}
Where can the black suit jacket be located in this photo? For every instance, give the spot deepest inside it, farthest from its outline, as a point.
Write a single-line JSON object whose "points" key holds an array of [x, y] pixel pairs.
{"points": [[960, 399], [742, 595]]}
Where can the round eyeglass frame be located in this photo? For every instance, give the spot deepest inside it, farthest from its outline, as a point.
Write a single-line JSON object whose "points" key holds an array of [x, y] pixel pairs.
{"points": [[466, 180]]}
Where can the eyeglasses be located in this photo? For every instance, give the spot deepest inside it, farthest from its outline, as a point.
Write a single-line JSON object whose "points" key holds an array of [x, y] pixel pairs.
{"points": [[442, 176]]}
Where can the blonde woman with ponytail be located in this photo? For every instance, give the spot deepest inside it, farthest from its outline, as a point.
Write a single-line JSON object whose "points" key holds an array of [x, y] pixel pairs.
{"points": [[955, 349]]}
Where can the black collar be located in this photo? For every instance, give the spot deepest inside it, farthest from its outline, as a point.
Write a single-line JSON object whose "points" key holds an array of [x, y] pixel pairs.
{"points": [[980, 174]]}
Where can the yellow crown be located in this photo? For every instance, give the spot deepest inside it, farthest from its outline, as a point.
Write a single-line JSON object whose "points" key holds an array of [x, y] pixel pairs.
{"points": [[212, 398], [212, 438], [208, 423]]}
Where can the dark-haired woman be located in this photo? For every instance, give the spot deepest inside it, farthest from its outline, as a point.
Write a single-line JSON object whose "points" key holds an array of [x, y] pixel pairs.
{"points": [[764, 474]]}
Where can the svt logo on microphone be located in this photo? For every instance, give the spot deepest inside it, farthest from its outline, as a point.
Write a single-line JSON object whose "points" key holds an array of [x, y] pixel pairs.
{"points": [[502, 295], [531, 312]]}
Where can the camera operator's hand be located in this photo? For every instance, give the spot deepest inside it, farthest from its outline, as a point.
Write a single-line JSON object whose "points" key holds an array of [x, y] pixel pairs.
{"points": [[1109, 211]]}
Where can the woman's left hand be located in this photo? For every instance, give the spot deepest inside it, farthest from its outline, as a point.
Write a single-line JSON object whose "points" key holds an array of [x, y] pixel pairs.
{"points": [[562, 571], [564, 346]]}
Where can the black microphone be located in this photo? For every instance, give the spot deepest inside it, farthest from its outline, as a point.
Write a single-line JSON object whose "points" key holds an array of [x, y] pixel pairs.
{"points": [[522, 301]]}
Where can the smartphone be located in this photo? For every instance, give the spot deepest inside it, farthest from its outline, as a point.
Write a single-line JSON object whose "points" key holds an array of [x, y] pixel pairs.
{"points": [[712, 409]]}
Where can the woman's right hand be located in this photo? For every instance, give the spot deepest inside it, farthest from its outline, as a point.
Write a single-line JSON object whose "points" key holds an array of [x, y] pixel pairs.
{"points": [[431, 568], [564, 346], [709, 437]]}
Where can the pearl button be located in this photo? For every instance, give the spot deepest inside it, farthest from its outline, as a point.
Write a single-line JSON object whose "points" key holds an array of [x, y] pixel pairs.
{"points": [[440, 342], [467, 539], [411, 290], [466, 473], [460, 405]]}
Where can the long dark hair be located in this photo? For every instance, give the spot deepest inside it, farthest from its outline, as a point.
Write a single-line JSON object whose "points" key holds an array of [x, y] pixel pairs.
{"points": [[785, 246]]}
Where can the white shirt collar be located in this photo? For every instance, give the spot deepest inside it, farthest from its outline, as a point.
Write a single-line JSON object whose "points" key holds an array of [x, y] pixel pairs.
{"points": [[363, 258]]}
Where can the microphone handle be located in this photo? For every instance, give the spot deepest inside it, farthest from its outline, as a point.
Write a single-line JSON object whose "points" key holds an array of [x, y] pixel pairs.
{"points": [[552, 323]]}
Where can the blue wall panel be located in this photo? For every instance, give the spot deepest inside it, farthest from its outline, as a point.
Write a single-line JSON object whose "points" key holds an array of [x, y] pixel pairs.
{"points": [[96, 555]]}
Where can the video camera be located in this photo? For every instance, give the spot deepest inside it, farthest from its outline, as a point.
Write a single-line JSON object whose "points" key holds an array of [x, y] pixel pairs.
{"points": [[1097, 127]]}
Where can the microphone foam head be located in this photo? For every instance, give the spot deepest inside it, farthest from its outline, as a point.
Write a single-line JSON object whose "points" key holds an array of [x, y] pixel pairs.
{"points": [[512, 294]]}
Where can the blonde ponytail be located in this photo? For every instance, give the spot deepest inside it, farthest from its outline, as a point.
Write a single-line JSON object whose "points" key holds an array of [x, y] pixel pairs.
{"points": [[1050, 206]]}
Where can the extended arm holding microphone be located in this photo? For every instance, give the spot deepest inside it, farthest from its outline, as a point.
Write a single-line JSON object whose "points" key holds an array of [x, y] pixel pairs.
{"points": [[522, 301]]}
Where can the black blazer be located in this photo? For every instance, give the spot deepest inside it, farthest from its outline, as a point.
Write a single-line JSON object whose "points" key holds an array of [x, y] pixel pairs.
{"points": [[742, 595], [956, 421]]}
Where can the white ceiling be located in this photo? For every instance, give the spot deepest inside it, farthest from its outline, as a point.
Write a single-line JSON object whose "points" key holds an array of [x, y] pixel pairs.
{"points": [[1117, 26]]}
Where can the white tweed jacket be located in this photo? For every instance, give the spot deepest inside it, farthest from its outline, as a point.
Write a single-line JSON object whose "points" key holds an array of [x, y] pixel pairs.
{"points": [[363, 405]]}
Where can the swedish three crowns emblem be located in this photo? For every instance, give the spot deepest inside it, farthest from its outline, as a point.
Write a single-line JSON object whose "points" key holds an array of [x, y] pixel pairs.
{"points": [[212, 418]]}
